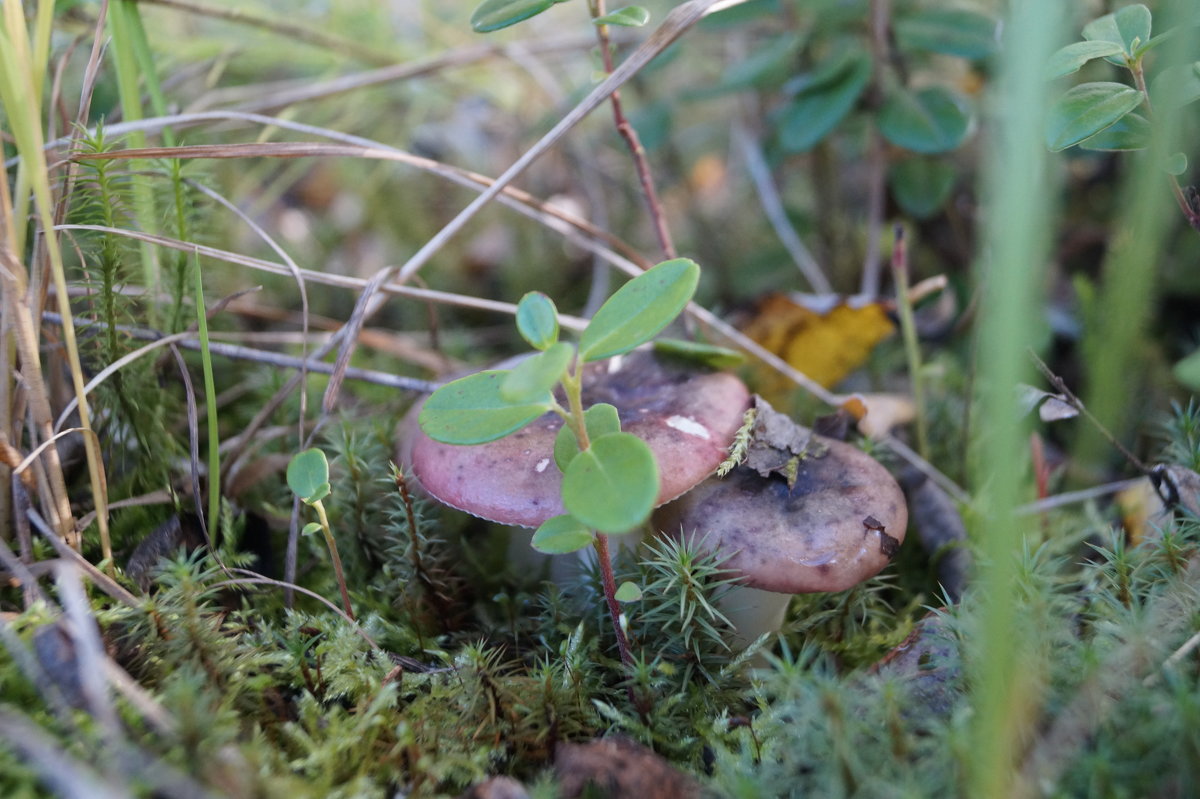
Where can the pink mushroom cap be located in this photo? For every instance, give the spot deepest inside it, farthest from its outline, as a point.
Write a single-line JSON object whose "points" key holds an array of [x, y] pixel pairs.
{"points": [[687, 417]]}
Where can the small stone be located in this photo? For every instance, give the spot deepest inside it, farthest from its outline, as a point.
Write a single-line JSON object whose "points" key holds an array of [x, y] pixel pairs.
{"points": [[497, 788], [618, 768]]}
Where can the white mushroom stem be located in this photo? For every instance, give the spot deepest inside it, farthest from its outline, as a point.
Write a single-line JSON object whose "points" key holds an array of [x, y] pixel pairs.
{"points": [[752, 612]]}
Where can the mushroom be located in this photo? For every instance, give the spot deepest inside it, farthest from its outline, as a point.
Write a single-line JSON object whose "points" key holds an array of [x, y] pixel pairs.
{"points": [[803, 514], [688, 417]]}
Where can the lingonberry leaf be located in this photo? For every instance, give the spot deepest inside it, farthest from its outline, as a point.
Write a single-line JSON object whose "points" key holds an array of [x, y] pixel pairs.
{"points": [[533, 377], [537, 320], [640, 309], [613, 484], [932, 120], [1130, 132], [952, 31], [471, 410], [559, 535], [492, 15], [600, 420], [823, 100], [628, 17], [1087, 109], [1072, 57]]}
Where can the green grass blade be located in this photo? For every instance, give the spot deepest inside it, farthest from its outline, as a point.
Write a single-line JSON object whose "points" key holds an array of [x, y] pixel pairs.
{"points": [[1017, 238], [210, 403]]}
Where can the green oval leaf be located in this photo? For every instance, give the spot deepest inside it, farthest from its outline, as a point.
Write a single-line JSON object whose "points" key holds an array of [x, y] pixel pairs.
{"points": [[629, 17], [640, 309], [537, 320], [600, 420], [1176, 86], [1176, 164], [1129, 27], [921, 185], [471, 411], [533, 377], [562, 534], [1087, 109], [1130, 132], [307, 472], [492, 15], [612, 485], [628, 591], [769, 65], [708, 355], [828, 95], [954, 31], [1072, 57], [932, 120], [310, 528]]}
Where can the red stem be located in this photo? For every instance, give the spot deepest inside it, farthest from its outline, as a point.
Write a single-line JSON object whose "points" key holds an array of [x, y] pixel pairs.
{"points": [[1192, 215], [634, 143], [614, 612]]}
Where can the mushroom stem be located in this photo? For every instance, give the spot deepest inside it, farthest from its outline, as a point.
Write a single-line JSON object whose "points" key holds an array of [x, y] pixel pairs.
{"points": [[752, 612]]}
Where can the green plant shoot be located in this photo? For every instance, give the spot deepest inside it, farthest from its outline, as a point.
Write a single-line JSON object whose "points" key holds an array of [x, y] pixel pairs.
{"points": [[610, 478], [308, 477]]}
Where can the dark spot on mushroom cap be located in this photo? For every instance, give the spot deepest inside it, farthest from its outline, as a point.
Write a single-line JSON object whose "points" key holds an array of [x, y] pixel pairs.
{"points": [[810, 537], [687, 417]]}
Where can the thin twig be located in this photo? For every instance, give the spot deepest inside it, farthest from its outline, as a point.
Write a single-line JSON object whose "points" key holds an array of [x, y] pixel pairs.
{"points": [[1061, 387], [236, 352], [772, 204], [1073, 497], [324, 278], [283, 94], [102, 580], [18, 569], [89, 651], [301, 33], [640, 163]]}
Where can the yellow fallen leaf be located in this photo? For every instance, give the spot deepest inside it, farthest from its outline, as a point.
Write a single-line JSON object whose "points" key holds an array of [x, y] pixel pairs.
{"points": [[827, 344]]}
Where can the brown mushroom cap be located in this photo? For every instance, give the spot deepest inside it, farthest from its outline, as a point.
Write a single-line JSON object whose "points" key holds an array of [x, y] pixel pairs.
{"points": [[687, 417], [841, 521]]}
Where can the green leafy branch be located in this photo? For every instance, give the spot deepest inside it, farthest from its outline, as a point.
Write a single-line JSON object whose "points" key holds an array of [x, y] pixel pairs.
{"points": [[610, 480], [1104, 115]]}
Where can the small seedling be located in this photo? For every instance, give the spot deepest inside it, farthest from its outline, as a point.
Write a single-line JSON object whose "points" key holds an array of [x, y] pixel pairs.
{"points": [[610, 480], [308, 477]]}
